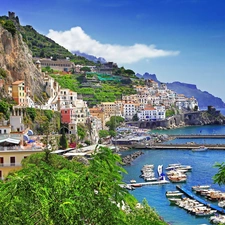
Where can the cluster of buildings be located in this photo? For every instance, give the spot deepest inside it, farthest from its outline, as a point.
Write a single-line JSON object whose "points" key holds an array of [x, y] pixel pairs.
{"points": [[148, 104]]}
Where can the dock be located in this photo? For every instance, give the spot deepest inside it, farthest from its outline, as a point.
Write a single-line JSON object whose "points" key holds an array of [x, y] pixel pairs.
{"points": [[177, 146], [158, 182], [193, 196]]}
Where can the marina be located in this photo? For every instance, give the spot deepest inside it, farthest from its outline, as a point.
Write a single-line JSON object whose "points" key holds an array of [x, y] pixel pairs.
{"points": [[193, 196], [202, 173]]}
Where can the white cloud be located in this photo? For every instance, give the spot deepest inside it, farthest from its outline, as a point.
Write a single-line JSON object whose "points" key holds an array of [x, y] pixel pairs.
{"points": [[76, 39]]}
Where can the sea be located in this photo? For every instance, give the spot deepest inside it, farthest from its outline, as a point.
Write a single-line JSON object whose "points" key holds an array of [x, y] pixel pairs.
{"points": [[203, 170]]}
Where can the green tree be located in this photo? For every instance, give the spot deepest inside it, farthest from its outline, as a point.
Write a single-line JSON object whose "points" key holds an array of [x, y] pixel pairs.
{"points": [[103, 133], [4, 108], [3, 73], [63, 140], [9, 25], [85, 69], [114, 122], [31, 112], [81, 132], [52, 190], [135, 117]]}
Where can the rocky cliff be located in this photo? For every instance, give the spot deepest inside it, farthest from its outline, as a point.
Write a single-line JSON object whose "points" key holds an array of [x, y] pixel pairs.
{"points": [[16, 60]]}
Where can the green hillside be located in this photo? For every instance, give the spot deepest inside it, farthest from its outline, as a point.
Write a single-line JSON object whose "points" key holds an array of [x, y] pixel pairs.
{"points": [[40, 45]]}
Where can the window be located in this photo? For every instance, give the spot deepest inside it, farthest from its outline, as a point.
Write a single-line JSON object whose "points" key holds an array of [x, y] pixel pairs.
{"points": [[1, 161], [12, 160], [0, 174]]}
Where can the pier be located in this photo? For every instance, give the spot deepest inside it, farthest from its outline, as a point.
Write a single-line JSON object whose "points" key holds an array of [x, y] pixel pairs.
{"points": [[177, 146], [158, 182], [196, 136], [191, 195]]}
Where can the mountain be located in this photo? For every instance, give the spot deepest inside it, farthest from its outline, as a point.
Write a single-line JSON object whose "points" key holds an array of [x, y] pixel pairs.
{"points": [[90, 57], [16, 62], [189, 90]]}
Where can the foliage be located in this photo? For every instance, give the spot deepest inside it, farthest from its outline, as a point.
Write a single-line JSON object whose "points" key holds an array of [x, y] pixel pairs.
{"points": [[144, 215], [87, 142], [63, 140], [219, 177], [49, 114], [4, 109], [170, 112], [135, 117], [52, 190], [103, 133], [112, 133], [31, 112], [85, 69], [3, 73], [196, 108], [47, 69], [109, 91], [114, 122], [81, 132], [9, 26]]}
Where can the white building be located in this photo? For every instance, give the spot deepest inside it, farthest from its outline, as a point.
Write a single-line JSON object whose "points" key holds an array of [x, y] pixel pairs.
{"points": [[150, 113]]}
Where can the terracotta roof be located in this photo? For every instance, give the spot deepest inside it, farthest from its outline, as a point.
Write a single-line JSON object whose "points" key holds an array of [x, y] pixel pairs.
{"points": [[149, 108], [18, 82]]}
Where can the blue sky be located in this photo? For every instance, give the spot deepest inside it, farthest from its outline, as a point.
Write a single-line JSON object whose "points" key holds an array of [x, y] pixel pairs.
{"points": [[178, 40]]}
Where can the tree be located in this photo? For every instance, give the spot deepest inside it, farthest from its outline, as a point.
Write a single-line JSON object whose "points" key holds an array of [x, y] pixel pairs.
{"points": [[4, 108], [85, 69], [63, 140], [114, 122], [52, 190], [42, 53], [196, 108], [81, 132], [3, 73], [103, 133], [31, 112], [135, 117]]}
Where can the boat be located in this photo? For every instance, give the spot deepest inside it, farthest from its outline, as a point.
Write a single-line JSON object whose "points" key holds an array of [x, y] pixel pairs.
{"points": [[174, 200], [174, 194], [200, 149], [136, 185], [177, 179], [221, 204], [200, 187], [132, 181]]}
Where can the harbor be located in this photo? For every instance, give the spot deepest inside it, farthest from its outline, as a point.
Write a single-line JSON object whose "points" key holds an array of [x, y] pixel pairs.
{"points": [[203, 170]]}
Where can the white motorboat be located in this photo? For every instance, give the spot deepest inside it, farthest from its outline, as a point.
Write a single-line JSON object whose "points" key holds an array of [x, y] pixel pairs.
{"points": [[174, 194], [200, 149], [132, 181], [200, 187]]}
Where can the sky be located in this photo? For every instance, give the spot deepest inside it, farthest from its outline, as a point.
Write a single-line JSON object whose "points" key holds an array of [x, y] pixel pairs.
{"points": [[178, 40]]}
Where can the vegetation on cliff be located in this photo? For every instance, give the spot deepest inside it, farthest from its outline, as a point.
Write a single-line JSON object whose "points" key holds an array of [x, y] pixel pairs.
{"points": [[109, 91]]}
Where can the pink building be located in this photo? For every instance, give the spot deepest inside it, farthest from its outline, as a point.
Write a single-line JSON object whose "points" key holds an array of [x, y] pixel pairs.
{"points": [[67, 115]]}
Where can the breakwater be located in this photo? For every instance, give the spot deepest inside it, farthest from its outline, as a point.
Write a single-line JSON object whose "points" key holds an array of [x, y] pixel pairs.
{"points": [[127, 160]]}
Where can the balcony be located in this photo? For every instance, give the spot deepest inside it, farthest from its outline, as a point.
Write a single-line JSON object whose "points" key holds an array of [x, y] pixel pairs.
{"points": [[10, 164]]}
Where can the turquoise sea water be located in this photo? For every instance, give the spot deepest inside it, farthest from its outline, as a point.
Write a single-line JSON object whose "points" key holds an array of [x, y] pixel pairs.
{"points": [[202, 174]]}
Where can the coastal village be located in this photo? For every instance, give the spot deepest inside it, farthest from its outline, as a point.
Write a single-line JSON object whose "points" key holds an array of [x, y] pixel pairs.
{"points": [[148, 106]]}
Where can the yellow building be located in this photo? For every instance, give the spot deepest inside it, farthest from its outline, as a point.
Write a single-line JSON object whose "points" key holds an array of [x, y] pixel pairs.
{"points": [[19, 92], [112, 108], [10, 159], [99, 113]]}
